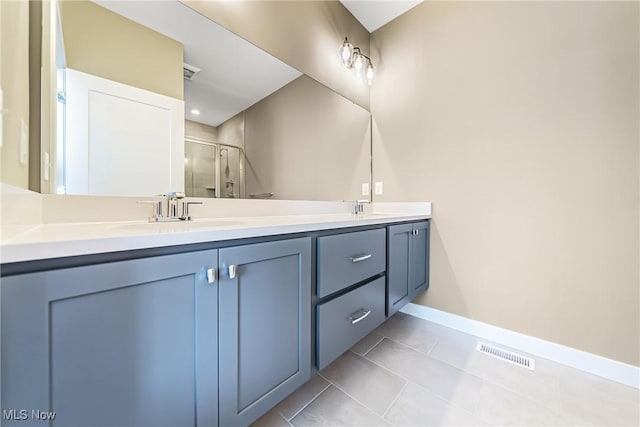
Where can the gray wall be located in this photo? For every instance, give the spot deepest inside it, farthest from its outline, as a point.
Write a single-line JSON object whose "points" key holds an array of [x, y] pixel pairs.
{"points": [[519, 121], [307, 142], [105, 44]]}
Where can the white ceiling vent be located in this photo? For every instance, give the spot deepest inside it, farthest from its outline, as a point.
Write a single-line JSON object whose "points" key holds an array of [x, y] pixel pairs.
{"points": [[507, 356], [189, 71]]}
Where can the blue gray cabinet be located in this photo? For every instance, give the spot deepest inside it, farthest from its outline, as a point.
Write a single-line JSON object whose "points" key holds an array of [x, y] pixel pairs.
{"points": [[164, 341], [407, 263], [348, 258], [265, 333], [345, 320], [419, 268], [344, 314], [130, 343]]}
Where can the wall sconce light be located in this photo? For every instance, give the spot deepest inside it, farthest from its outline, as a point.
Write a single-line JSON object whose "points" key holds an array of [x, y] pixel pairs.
{"points": [[352, 57]]}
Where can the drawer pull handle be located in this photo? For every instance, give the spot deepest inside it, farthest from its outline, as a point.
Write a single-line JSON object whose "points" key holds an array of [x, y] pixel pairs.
{"points": [[211, 275], [359, 258], [232, 271], [361, 316]]}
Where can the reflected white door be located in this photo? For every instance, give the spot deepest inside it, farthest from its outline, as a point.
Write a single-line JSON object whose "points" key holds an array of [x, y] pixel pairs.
{"points": [[121, 140]]}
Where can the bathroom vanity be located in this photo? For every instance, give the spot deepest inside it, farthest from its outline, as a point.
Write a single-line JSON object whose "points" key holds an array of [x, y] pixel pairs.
{"points": [[212, 332], [210, 322]]}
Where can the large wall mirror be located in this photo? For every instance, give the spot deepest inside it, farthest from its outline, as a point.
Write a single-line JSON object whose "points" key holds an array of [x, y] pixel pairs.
{"points": [[154, 97]]}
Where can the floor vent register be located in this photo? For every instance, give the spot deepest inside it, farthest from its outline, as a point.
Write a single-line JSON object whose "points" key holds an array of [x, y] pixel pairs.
{"points": [[507, 356]]}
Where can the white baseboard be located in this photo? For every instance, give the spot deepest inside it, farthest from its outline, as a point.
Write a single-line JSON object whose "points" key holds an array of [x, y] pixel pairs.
{"points": [[592, 363]]}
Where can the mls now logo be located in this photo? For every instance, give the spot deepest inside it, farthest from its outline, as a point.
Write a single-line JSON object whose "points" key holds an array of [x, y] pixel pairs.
{"points": [[23, 414]]}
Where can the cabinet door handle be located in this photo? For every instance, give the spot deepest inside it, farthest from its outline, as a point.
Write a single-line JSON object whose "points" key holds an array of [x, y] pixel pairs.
{"points": [[359, 258], [361, 315], [232, 271], [211, 275]]}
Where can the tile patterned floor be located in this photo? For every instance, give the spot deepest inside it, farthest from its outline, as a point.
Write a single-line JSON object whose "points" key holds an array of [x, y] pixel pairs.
{"points": [[410, 372]]}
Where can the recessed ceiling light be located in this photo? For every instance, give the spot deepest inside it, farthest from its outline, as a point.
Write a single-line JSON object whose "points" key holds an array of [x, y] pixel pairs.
{"points": [[195, 112]]}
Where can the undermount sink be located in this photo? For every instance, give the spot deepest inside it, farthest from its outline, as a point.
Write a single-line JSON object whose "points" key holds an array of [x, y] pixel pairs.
{"points": [[179, 225]]}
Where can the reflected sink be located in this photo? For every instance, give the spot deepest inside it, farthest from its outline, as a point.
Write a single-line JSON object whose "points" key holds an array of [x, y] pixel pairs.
{"points": [[178, 225]]}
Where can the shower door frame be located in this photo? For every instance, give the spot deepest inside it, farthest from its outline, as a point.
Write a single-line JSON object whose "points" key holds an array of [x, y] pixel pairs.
{"points": [[217, 146]]}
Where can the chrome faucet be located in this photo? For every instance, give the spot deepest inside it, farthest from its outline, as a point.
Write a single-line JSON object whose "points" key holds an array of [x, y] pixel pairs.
{"points": [[173, 202], [358, 206]]}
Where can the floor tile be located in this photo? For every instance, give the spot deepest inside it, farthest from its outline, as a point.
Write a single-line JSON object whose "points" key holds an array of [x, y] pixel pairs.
{"points": [[417, 407], [596, 400], [417, 373], [334, 408], [499, 406], [271, 419], [535, 385], [367, 343], [368, 383], [409, 330], [293, 404], [445, 381], [459, 349]]}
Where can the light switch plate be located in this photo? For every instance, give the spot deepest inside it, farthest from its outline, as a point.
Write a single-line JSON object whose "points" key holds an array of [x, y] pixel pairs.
{"points": [[365, 189], [45, 166], [379, 188]]}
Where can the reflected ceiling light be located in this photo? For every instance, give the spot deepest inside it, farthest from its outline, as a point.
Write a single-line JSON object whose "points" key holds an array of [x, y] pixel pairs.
{"points": [[358, 63], [369, 73], [195, 112], [346, 52], [352, 57]]}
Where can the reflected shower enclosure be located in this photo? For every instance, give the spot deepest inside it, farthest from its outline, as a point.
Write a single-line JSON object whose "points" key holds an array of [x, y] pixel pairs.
{"points": [[213, 169]]}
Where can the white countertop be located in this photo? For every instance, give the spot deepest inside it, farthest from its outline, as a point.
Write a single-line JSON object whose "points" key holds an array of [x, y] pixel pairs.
{"points": [[45, 241]]}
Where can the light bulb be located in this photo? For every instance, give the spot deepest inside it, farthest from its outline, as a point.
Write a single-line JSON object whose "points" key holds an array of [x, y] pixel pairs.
{"points": [[370, 73], [195, 112], [346, 52], [359, 62]]}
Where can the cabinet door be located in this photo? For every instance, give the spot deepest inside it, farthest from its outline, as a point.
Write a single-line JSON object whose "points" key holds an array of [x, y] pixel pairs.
{"points": [[265, 326], [131, 343], [399, 238], [419, 271]]}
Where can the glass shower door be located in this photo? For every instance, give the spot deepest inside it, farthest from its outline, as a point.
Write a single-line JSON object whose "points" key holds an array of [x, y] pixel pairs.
{"points": [[230, 172], [199, 168]]}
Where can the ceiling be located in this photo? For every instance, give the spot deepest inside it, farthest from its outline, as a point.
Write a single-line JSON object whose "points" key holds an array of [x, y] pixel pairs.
{"points": [[373, 14]]}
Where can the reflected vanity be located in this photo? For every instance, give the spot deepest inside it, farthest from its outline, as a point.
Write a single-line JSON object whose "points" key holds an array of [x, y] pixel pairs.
{"points": [[225, 119]]}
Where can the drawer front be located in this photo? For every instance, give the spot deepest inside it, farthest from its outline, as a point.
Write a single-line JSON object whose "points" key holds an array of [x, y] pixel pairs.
{"points": [[346, 259], [344, 321]]}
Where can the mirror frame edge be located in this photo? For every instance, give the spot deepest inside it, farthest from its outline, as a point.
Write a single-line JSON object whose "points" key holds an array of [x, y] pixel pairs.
{"points": [[48, 82]]}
